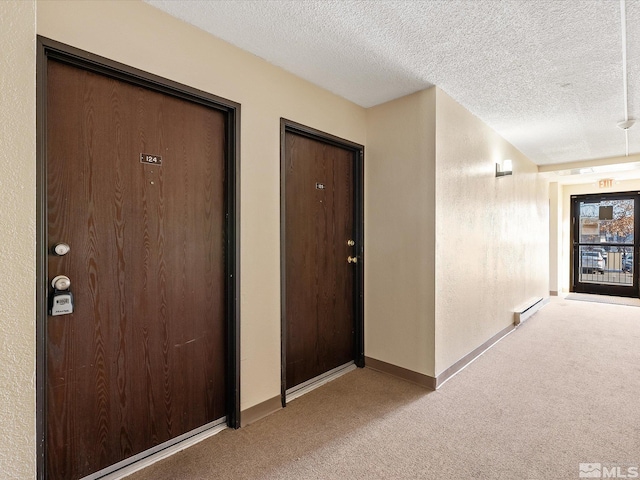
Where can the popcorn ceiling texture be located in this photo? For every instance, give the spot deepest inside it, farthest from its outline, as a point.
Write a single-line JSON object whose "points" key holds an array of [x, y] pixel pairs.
{"points": [[17, 239], [546, 75]]}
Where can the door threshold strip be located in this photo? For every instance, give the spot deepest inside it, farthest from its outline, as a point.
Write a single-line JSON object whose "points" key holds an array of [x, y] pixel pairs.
{"points": [[145, 459], [318, 381]]}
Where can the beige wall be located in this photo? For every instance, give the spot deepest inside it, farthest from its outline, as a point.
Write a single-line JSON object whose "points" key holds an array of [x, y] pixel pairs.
{"points": [[175, 50], [17, 239], [400, 232], [492, 248], [564, 260]]}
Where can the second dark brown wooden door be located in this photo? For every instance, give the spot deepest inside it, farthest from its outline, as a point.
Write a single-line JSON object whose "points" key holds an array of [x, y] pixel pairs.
{"points": [[142, 358], [319, 222]]}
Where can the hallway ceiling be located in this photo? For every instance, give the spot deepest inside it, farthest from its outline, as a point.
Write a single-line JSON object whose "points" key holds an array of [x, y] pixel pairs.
{"points": [[545, 74]]}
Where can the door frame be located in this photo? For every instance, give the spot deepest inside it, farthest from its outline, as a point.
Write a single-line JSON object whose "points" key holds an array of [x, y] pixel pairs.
{"points": [[51, 49], [616, 290], [289, 126]]}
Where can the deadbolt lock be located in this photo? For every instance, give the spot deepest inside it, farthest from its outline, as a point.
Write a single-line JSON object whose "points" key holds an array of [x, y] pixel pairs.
{"points": [[61, 249], [352, 259], [351, 243]]}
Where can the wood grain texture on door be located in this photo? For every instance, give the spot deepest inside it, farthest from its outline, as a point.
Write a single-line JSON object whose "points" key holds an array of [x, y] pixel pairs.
{"points": [[142, 358], [319, 206]]}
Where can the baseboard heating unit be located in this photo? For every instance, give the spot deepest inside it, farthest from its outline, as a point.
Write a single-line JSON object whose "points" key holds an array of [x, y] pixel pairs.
{"points": [[527, 309]]}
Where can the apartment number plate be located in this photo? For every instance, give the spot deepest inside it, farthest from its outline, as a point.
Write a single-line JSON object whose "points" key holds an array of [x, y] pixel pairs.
{"points": [[150, 159]]}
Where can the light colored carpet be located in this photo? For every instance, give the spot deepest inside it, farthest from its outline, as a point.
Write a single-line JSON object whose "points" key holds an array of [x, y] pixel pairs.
{"points": [[564, 388], [587, 297]]}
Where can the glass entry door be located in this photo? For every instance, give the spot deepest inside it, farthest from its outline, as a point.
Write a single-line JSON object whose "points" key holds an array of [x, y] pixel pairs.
{"points": [[605, 251]]}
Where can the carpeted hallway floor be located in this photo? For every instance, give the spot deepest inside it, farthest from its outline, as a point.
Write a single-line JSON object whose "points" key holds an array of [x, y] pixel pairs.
{"points": [[561, 390]]}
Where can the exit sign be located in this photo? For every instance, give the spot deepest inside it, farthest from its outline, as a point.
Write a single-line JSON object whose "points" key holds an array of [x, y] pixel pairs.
{"points": [[605, 183]]}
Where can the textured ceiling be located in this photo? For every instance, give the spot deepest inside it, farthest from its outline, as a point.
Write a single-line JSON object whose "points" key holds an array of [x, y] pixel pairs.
{"points": [[546, 74]]}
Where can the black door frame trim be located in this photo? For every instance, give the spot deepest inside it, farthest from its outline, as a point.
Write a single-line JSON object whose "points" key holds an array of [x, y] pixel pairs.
{"points": [[616, 290], [50, 49], [358, 216]]}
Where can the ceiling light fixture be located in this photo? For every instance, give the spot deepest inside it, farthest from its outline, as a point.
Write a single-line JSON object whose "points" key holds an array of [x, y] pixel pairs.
{"points": [[627, 123]]}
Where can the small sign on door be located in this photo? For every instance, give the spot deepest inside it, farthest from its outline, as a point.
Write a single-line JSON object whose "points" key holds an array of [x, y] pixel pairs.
{"points": [[150, 159]]}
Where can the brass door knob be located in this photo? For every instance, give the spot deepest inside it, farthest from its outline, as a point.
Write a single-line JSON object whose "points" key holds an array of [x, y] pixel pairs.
{"points": [[352, 259], [351, 243]]}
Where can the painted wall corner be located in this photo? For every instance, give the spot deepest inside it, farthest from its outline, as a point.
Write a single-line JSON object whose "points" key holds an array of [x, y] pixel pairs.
{"points": [[400, 232]]}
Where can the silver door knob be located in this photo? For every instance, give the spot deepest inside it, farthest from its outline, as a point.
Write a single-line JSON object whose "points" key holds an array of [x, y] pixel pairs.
{"points": [[61, 249], [61, 282]]}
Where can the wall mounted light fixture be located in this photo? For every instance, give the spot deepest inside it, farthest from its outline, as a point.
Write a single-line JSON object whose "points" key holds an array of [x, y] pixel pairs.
{"points": [[506, 168]]}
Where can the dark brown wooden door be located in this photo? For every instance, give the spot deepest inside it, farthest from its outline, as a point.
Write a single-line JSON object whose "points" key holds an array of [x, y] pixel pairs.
{"points": [[142, 358], [319, 211]]}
